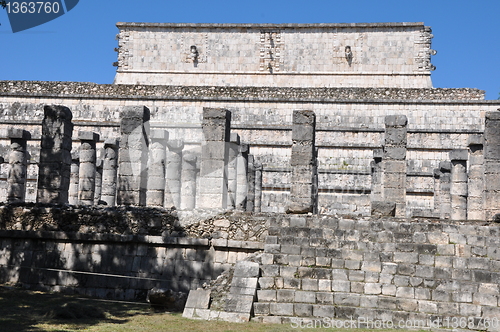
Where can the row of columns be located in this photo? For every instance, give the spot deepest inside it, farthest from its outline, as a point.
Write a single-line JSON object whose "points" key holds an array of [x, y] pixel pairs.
{"points": [[467, 186], [143, 167], [146, 168]]}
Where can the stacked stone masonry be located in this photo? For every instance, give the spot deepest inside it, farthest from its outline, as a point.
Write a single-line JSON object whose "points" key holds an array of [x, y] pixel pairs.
{"points": [[378, 269]]}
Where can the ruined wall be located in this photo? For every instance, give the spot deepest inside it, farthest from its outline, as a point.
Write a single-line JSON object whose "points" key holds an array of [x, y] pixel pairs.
{"points": [[120, 253], [318, 270]]}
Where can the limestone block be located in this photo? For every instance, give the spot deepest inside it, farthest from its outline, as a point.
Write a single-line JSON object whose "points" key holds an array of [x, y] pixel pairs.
{"points": [[199, 299]]}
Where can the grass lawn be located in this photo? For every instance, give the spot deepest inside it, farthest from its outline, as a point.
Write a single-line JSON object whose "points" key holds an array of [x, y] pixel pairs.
{"points": [[22, 310]]}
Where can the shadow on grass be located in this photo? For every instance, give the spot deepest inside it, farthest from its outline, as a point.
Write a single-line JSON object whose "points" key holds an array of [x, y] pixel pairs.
{"points": [[22, 310]]}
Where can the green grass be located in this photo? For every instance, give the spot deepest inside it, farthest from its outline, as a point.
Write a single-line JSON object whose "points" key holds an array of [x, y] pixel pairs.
{"points": [[22, 310]]}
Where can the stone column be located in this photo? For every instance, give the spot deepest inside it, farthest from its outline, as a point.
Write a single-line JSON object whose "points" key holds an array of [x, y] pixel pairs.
{"points": [[133, 156], [459, 180], [98, 181], [303, 160], [86, 187], [188, 181], [16, 181], [156, 168], [376, 168], [55, 155], [437, 193], [251, 184], [492, 165], [74, 177], [475, 187], [214, 154], [109, 171], [444, 189], [232, 171], [173, 177], [241, 177], [258, 186], [394, 163]]}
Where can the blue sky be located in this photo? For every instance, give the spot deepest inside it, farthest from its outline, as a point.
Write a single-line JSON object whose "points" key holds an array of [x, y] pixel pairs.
{"points": [[78, 46]]}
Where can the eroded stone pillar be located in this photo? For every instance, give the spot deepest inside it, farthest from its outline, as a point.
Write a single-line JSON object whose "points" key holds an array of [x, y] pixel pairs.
{"points": [[214, 154], [156, 168], [241, 177], [133, 156], [303, 161], [109, 171], [98, 180], [232, 171], [376, 168], [188, 181], [459, 181], [173, 177], [258, 186], [475, 187], [16, 181], [394, 163], [74, 177], [87, 174], [55, 155], [492, 164], [445, 189], [251, 184]]}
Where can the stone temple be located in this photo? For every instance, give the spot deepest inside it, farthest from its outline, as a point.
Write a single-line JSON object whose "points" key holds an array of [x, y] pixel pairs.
{"points": [[278, 119]]}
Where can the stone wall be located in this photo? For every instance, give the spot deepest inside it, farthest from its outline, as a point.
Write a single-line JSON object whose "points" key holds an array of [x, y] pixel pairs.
{"points": [[120, 253], [371, 271]]}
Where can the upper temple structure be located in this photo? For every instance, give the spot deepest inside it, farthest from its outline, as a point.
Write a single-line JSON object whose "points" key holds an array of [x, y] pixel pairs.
{"points": [[392, 55], [297, 118]]}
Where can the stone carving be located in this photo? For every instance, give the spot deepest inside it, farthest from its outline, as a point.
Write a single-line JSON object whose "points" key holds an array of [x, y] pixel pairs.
{"points": [[195, 48], [348, 54], [123, 52], [271, 58]]}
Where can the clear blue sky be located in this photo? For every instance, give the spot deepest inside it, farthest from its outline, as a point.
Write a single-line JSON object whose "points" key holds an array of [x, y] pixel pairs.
{"points": [[78, 46]]}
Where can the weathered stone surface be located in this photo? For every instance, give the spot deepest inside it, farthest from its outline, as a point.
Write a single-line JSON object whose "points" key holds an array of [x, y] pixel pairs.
{"points": [[55, 157]]}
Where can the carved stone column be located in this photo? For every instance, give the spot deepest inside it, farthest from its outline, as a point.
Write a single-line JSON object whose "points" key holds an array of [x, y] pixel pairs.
{"points": [[394, 163], [251, 184], [492, 164], [188, 181], [55, 155], [232, 182], [258, 186], [16, 181], [109, 171], [475, 187], [98, 180], [133, 156], [156, 168], [214, 151], [173, 177], [445, 189], [87, 173], [241, 177], [458, 188], [74, 177], [303, 161]]}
